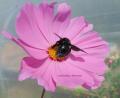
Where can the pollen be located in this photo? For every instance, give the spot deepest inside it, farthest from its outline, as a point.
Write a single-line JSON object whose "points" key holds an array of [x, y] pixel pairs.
{"points": [[53, 54]]}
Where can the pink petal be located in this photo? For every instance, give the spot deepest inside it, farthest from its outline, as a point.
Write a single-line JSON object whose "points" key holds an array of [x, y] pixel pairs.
{"points": [[7, 35], [70, 76], [34, 52], [84, 31], [41, 70], [97, 81], [88, 63], [62, 19], [87, 37], [100, 51], [28, 67], [93, 44], [75, 27], [45, 76], [45, 15], [63, 12], [93, 60], [27, 28]]}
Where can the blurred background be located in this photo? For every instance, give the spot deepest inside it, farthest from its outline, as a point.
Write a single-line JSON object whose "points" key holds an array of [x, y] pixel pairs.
{"points": [[104, 14]]}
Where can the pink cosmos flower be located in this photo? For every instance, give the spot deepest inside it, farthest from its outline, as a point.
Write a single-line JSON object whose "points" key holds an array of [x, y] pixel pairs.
{"points": [[77, 60]]}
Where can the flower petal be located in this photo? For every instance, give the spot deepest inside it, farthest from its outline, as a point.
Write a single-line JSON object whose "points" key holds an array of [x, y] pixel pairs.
{"points": [[89, 63], [87, 37], [70, 76], [62, 19], [97, 81], [45, 76], [44, 15], [75, 27], [34, 52], [41, 70], [28, 67], [27, 27], [92, 44], [87, 28], [63, 12]]}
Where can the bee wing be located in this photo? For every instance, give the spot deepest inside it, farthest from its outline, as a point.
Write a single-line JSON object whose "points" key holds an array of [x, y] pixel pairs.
{"points": [[75, 48]]}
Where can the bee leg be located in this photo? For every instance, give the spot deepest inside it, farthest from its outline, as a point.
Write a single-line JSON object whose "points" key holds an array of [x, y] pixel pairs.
{"points": [[57, 35]]}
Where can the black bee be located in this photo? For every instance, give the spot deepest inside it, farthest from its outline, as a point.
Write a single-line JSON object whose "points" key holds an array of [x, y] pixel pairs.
{"points": [[64, 47]]}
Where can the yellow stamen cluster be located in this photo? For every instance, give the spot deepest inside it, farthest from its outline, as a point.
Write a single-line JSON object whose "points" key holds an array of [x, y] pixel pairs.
{"points": [[53, 54]]}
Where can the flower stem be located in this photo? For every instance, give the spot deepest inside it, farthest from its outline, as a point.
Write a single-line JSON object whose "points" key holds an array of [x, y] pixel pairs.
{"points": [[43, 93]]}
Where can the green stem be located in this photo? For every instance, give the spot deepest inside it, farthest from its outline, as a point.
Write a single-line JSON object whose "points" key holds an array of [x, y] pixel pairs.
{"points": [[43, 93]]}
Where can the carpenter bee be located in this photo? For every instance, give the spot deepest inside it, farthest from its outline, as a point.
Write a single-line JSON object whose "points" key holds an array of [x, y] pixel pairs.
{"points": [[63, 47]]}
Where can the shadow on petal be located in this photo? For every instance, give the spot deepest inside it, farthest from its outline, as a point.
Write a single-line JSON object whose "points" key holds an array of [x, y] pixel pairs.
{"points": [[86, 86], [34, 63], [76, 58]]}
